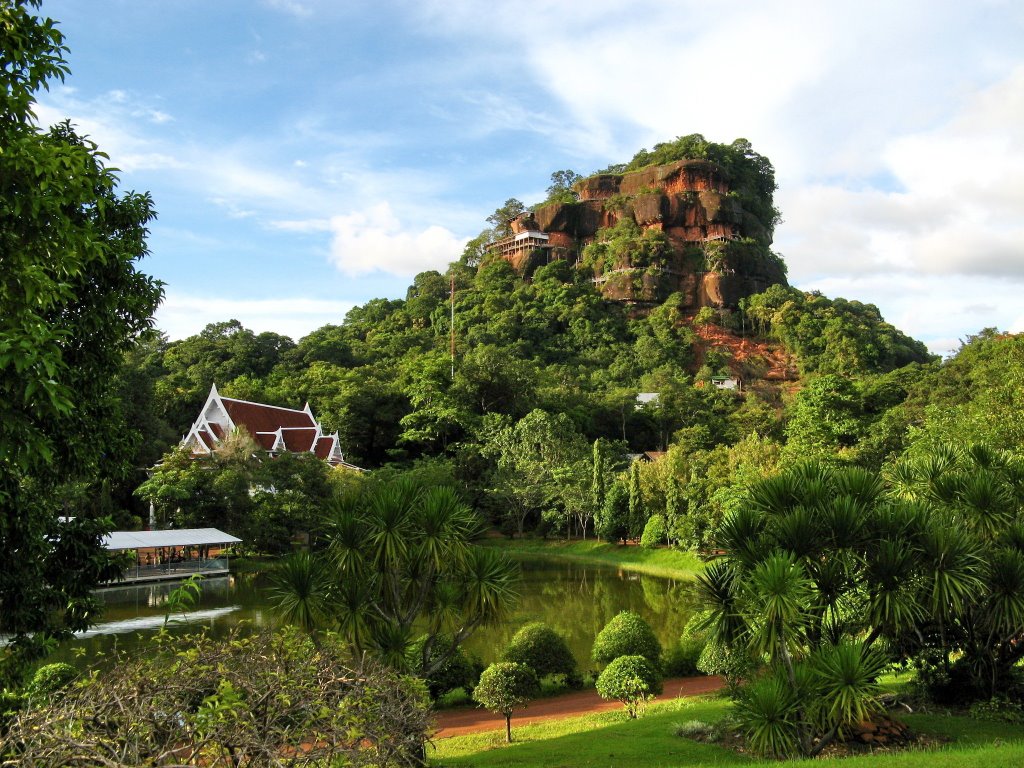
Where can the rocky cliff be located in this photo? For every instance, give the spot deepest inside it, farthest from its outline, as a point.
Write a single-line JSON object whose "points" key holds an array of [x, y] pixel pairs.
{"points": [[676, 227]]}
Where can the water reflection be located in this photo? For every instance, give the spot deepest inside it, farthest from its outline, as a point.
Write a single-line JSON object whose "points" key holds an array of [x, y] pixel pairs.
{"points": [[576, 599]]}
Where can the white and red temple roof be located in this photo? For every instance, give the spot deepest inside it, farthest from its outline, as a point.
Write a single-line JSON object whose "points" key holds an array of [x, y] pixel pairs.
{"points": [[275, 429]]}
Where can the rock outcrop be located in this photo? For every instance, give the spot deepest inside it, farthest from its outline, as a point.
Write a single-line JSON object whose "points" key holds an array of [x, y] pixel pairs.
{"points": [[646, 234]]}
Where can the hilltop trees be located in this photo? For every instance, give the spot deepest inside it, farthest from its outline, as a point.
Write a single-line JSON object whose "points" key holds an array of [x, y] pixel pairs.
{"points": [[73, 304]]}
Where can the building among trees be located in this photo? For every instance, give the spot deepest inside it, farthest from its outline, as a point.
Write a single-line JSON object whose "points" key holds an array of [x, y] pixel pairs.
{"points": [[275, 429]]}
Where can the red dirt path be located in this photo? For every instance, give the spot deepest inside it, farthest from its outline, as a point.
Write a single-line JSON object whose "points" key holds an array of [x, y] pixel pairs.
{"points": [[458, 722]]}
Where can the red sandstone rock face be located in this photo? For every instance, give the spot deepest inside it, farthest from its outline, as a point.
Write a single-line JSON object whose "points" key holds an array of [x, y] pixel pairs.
{"points": [[561, 240], [688, 200], [598, 187]]}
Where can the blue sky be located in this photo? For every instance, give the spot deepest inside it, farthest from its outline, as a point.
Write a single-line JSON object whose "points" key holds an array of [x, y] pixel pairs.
{"points": [[308, 155]]}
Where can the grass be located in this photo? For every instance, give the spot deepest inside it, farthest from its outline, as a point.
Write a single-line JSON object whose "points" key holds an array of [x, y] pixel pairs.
{"points": [[668, 563], [609, 738]]}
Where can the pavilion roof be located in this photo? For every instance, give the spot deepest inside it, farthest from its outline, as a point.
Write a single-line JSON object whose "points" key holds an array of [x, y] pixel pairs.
{"points": [[182, 537]]}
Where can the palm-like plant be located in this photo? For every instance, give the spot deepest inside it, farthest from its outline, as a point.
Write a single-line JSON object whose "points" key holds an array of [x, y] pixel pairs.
{"points": [[822, 563], [847, 679], [401, 559], [300, 590]]}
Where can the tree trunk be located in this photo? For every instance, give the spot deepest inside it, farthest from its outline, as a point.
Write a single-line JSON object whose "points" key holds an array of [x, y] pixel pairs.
{"points": [[508, 729]]}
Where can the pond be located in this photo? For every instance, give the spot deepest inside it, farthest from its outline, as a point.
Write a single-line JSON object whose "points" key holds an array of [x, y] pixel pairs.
{"points": [[576, 599]]}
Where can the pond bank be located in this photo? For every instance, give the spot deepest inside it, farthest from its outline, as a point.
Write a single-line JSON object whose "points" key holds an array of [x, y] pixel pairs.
{"points": [[663, 562]]}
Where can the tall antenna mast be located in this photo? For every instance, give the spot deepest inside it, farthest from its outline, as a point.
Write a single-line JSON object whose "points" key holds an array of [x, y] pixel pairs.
{"points": [[453, 324]]}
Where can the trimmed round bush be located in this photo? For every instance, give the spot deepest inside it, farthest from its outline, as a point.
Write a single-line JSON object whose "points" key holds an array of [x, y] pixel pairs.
{"points": [[505, 687], [654, 532], [51, 678], [633, 680], [545, 651], [626, 635]]}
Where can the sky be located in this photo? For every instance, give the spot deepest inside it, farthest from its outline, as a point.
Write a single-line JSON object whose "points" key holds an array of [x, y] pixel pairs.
{"points": [[306, 156]]}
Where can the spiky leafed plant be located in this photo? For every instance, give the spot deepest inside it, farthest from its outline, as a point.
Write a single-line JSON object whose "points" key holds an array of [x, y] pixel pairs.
{"points": [[822, 563], [792, 587], [769, 715], [402, 560], [300, 590], [846, 675]]}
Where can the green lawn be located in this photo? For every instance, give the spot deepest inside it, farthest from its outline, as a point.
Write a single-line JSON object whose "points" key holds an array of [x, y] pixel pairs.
{"points": [[669, 563], [609, 739]]}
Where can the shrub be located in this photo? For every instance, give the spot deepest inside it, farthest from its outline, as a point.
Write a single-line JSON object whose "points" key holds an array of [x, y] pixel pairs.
{"points": [[51, 678], [705, 316], [456, 672], [205, 701], [505, 687], [767, 713], [633, 680], [681, 660], [695, 729], [626, 635], [735, 663], [545, 651], [654, 532], [1003, 710]]}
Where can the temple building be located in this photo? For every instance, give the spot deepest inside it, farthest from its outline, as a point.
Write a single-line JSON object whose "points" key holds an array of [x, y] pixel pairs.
{"points": [[275, 429]]}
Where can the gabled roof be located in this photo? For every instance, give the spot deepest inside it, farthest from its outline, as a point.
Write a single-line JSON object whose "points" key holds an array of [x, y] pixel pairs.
{"points": [[323, 448], [273, 427], [257, 417], [300, 438]]}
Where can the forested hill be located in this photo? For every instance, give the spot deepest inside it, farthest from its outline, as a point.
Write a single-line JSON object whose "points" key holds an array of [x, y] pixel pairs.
{"points": [[383, 377], [550, 353]]}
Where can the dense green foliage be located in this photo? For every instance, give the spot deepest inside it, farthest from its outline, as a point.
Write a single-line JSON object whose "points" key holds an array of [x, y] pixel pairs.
{"points": [[832, 335], [456, 670], [505, 687], [654, 532], [264, 502], [258, 699], [542, 649], [400, 562], [626, 635], [633, 680], [830, 574], [73, 303], [51, 678]]}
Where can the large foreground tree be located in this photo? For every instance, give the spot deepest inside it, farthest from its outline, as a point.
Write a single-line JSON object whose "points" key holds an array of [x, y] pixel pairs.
{"points": [[71, 304], [259, 699]]}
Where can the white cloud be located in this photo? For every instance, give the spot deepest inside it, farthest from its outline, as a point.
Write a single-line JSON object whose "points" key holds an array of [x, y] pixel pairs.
{"points": [[302, 225], [182, 315], [111, 121], [954, 209], [374, 240]]}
